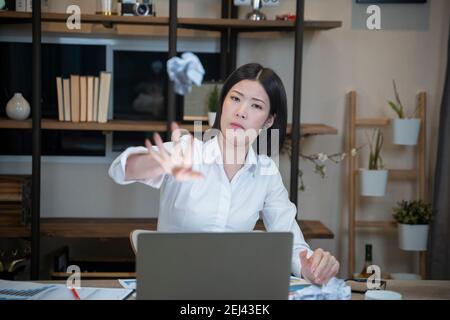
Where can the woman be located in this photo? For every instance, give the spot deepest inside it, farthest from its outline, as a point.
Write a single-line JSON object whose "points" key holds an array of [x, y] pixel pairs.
{"points": [[222, 184]]}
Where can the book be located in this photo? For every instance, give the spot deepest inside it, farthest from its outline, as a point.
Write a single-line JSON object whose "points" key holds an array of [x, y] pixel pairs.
{"points": [[59, 93], [66, 99], [95, 102], [75, 97], [103, 96], [83, 99], [90, 98]]}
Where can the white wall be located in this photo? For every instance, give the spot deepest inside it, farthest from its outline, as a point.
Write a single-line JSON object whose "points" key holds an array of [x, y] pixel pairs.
{"points": [[335, 62]]}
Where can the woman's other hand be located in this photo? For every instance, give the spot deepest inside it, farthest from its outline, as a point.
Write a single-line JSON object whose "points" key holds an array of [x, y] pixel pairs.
{"points": [[320, 267]]}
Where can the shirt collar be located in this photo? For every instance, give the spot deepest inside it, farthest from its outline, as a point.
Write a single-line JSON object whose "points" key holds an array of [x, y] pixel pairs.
{"points": [[212, 153]]}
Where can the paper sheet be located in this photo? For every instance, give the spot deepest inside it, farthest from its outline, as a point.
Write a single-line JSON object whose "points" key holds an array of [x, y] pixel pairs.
{"points": [[14, 290]]}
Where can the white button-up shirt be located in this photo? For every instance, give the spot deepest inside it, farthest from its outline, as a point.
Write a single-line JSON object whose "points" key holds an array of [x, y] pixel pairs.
{"points": [[216, 204]]}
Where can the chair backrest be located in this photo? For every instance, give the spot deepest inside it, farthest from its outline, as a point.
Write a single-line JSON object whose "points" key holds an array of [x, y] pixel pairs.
{"points": [[134, 237]]}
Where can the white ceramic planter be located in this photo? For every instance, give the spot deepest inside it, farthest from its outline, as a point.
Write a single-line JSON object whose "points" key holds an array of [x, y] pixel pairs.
{"points": [[211, 118], [373, 183], [405, 131], [413, 237]]}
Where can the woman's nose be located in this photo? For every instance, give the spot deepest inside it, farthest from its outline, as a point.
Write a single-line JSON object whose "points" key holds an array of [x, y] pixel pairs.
{"points": [[241, 111]]}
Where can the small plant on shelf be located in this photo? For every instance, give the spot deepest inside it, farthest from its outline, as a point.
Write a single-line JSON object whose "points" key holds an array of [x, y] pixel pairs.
{"points": [[413, 212], [213, 105], [413, 218], [373, 180], [405, 129]]}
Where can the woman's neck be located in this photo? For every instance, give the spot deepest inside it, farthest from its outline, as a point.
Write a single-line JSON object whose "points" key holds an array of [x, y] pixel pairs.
{"points": [[232, 154]]}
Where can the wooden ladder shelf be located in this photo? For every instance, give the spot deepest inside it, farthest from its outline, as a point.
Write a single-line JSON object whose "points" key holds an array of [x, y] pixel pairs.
{"points": [[416, 175]]}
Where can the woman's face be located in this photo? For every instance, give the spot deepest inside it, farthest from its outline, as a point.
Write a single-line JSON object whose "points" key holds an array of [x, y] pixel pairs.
{"points": [[245, 111]]}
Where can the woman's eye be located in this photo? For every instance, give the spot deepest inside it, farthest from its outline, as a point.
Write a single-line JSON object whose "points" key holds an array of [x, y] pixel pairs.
{"points": [[234, 98], [257, 106]]}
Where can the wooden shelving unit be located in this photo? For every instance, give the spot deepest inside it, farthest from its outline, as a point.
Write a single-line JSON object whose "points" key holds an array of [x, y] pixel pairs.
{"points": [[228, 26], [209, 24], [121, 228], [416, 175], [306, 129]]}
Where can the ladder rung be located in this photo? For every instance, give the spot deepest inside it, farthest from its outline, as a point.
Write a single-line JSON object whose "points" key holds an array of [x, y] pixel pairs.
{"points": [[376, 224], [372, 122]]}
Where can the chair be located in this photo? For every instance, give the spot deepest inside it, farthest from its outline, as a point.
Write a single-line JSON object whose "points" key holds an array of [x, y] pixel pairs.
{"points": [[134, 237]]}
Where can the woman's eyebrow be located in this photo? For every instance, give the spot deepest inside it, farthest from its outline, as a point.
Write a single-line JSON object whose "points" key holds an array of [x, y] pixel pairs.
{"points": [[241, 94]]}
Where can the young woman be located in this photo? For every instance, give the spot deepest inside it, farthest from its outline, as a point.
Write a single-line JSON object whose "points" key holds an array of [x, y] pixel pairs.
{"points": [[222, 184]]}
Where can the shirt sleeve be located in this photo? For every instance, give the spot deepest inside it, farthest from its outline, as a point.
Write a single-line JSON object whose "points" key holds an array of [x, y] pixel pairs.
{"points": [[117, 169], [279, 214]]}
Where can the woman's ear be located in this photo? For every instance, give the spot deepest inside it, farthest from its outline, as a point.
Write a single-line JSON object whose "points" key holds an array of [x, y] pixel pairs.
{"points": [[269, 122]]}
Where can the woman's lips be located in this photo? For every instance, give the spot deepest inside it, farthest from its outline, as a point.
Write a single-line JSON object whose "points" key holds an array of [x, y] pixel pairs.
{"points": [[236, 126]]}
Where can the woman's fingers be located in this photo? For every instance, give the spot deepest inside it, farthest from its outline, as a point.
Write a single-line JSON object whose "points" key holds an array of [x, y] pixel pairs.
{"points": [[152, 153], [332, 271], [322, 268], [188, 159], [315, 259]]}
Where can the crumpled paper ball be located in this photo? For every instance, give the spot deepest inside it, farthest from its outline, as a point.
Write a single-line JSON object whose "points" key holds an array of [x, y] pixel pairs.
{"points": [[335, 289], [185, 71]]}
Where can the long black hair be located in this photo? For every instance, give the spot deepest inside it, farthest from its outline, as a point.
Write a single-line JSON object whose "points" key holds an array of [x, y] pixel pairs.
{"points": [[274, 88]]}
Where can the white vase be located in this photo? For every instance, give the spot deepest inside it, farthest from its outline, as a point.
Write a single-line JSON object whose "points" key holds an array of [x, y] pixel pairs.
{"points": [[211, 118], [405, 131], [373, 182], [413, 237], [18, 107]]}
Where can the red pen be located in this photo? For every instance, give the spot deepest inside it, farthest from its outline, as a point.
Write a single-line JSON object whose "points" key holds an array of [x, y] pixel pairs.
{"points": [[75, 293]]}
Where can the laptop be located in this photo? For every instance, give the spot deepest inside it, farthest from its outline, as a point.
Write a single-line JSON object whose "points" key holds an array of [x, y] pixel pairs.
{"points": [[214, 266]]}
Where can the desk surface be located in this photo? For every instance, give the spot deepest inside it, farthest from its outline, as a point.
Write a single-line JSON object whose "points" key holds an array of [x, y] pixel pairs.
{"points": [[410, 290]]}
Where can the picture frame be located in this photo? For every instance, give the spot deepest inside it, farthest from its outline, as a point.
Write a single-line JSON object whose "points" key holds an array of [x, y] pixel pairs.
{"points": [[196, 101]]}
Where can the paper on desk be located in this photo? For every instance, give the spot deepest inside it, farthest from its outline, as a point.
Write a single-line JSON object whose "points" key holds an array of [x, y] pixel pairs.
{"points": [[128, 283], [335, 289], [18, 290]]}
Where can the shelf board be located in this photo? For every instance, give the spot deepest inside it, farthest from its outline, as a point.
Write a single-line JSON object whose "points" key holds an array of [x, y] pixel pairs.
{"points": [[376, 224], [121, 228], [306, 129], [372, 122], [399, 174], [188, 23]]}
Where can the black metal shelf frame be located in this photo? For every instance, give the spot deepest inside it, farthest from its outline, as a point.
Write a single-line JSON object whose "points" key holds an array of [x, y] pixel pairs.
{"points": [[228, 41]]}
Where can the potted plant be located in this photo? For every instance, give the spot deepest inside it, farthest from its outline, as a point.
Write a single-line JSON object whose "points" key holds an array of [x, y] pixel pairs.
{"points": [[413, 218], [405, 130], [373, 181], [213, 105]]}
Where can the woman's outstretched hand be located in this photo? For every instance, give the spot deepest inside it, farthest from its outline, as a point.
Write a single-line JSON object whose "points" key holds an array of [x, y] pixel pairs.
{"points": [[320, 267], [179, 162]]}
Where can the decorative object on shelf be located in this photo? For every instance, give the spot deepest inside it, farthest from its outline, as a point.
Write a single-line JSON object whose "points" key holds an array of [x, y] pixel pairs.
{"points": [[213, 105], [317, 159], [413, 218], [405, 130], [373, 181], [196, 102], [21, 5], [185, 71], [136, 8], [285, 17], [2, 4], [256, 14], [18, 107], [106, 7]]}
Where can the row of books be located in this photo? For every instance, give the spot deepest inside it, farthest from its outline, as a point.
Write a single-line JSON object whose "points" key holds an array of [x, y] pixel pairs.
{"points": [[84, 98]]}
